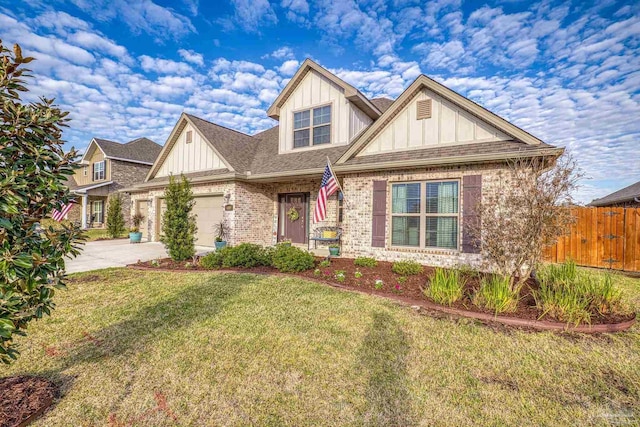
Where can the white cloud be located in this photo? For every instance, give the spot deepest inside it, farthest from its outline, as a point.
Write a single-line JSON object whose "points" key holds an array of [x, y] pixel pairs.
{"points": [[249, 15], [191, 56], [289, 68], [164, 66], [284, 52]]}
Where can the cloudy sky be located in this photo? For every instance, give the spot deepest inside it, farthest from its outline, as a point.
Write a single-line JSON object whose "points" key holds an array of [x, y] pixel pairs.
{"points": [[568, 72]]}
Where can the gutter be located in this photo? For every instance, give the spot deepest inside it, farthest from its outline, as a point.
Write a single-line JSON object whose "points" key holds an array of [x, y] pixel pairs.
{"points": [[84, 190], [149, 185]]}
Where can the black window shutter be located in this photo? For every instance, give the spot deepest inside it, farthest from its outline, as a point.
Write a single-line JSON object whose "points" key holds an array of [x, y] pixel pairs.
{"points": [[379, 217], [93, 171], [105, 169], [471, 196]]}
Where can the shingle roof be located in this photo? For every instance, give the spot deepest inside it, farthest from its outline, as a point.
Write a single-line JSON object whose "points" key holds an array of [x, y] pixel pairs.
{"points": [[382, 104], [495, 147], [622, 195], [140, 150], [235, 147]]}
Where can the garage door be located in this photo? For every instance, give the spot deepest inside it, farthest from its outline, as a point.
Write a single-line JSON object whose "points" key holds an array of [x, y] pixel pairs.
{"points": [[209, 211]]}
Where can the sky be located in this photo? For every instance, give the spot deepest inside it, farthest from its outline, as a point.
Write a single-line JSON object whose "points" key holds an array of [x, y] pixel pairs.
{"points": [[567, 72]]}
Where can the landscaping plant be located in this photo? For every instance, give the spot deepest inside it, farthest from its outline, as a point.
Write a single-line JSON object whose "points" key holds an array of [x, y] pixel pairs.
{"points": [[496, 294], [178, 223], [528, 213], [406, 268], [33, 173], [340, 276], [446, 286], [289, 259], [115, 219], [324, 263], [245, 255], [363, 261]]}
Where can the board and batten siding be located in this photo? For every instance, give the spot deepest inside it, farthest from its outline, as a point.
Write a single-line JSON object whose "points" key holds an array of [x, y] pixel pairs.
{"points": [[192, 157], [314, 90], [96, 155], [448, 124]]}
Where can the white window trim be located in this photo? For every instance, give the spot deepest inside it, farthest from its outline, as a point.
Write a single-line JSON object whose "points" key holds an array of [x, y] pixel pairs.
{"points": [[311, 127], [423, 215], [101, 211], [104, 175]]}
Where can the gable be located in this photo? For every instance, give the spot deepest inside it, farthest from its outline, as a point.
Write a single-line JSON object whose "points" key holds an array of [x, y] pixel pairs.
{"points": [[315, 90], [447, 123], [183, 157]]}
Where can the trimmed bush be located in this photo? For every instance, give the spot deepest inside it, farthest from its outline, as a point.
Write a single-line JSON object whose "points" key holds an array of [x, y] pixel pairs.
{"points": [[445, 287], [495, 294], [363, 261], [245, 255], [178, 222], [214, 260], [289, 259], [406, 268]]}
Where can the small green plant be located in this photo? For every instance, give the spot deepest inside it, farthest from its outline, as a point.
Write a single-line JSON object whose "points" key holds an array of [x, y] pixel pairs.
{"points": [[324, 264], [496, 294], [402, 279], [379, 284], [467, 271], [188, 265], [363, 261], [115, 219], [397, 289], [289, 259], [445, 287], [340, 276], [317, 272], [136, 220], [222, 231], [406, 268], [334, 245], [357, 274], [155, 263]]}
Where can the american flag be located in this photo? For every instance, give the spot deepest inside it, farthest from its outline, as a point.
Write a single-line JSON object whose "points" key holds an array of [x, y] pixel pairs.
{"points": [[59, 215], [328, 186]]}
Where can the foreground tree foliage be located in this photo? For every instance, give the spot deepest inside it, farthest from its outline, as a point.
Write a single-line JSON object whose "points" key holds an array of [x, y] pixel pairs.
{"points": [[115, 219], [33, 171], [178, 223], [530, 212]]}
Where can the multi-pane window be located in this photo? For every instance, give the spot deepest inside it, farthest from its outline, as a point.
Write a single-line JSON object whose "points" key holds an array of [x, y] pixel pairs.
{"points": [[312, 127], [98, 170], [425, 214], [98, 211]]}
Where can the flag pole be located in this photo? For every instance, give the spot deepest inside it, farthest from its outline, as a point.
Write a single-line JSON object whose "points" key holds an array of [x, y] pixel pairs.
{"points": [[335, 176]]}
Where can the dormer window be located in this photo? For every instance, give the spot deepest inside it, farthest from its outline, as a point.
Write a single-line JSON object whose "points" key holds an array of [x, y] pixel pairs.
{"points": [[98, 170], [312, 127]]}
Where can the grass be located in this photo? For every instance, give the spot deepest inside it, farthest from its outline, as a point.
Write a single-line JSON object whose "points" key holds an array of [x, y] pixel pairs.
{"points": [[160, 349], [99, 233], [445, 286]]}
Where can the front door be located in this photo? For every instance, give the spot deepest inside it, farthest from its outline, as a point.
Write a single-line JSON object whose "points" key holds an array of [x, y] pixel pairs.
{"points": [[143, 209], [292, 218]]}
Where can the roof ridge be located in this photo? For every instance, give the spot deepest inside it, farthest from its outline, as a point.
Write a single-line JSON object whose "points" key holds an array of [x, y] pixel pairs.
{"points": [[216, 124]]}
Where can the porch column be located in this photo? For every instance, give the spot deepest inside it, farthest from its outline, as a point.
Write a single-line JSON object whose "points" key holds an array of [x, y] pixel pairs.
{"points": [[85, 203]]}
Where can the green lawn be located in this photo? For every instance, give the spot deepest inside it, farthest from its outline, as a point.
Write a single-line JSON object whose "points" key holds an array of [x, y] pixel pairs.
{"points": [[154, 349], [99, 233]]}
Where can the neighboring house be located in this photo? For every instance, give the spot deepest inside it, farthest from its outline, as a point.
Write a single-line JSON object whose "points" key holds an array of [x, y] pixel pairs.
{"points": [[106, 167], [628, 197], [411, 169]]}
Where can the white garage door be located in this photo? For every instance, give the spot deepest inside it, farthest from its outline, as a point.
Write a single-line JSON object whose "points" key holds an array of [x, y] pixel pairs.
{"points": [[209, 211]]}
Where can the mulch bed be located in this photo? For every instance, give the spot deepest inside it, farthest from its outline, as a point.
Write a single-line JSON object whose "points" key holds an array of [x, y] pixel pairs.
{"points": [[24, 398], [410, 287]]}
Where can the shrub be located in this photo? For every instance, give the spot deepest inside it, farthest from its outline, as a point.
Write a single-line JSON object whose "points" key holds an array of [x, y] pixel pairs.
{"points": [[178, 223], [445, 287], [324, 264], [573, 296], [406, 268], [33, 170], [289, 259], [214, 260], [245, 255], [115, 219], [496, 294], [379, 284], [363, 261]]}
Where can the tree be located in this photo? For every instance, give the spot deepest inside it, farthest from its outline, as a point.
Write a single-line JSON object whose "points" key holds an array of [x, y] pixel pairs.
{"points": [[178, 223], [115, 219], [33, 171], [529, 212]]}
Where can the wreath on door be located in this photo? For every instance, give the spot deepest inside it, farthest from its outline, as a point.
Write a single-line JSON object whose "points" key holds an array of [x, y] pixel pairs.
{"points": [[293, 214]]}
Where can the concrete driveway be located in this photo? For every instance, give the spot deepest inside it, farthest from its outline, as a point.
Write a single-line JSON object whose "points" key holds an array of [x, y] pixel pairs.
{"points": [[114, 253]]}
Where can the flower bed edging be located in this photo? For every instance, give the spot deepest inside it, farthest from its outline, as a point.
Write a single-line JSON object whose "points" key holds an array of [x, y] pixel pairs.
{"points": [[543, 325]]}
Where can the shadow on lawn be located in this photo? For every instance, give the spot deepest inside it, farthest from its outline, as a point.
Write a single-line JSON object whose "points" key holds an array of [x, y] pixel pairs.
{"points": [[383, 356], [151, 322]]}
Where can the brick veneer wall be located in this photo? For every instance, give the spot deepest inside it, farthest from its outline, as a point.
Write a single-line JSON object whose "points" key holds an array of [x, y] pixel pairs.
{"points": [[125, 174], [358, 194]]}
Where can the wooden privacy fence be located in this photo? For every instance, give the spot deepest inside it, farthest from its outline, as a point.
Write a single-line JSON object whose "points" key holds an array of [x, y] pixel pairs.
{"points": [[601, 237]]}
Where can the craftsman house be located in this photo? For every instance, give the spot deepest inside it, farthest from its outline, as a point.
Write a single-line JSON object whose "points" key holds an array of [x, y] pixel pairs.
{"points": [[106, 167], [411, 169]]}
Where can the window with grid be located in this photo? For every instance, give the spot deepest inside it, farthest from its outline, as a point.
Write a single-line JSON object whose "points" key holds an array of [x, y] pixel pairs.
{"points": [[312, 127], [425, 214], [98, 170]]}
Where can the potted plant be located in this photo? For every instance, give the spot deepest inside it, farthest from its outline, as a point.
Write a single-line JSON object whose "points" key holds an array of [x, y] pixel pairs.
{"points": [[334, 249], [135, 236], [222, 232]]}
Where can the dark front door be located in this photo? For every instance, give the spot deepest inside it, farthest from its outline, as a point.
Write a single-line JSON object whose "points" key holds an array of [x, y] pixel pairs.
{"points": [[290, 227]]}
